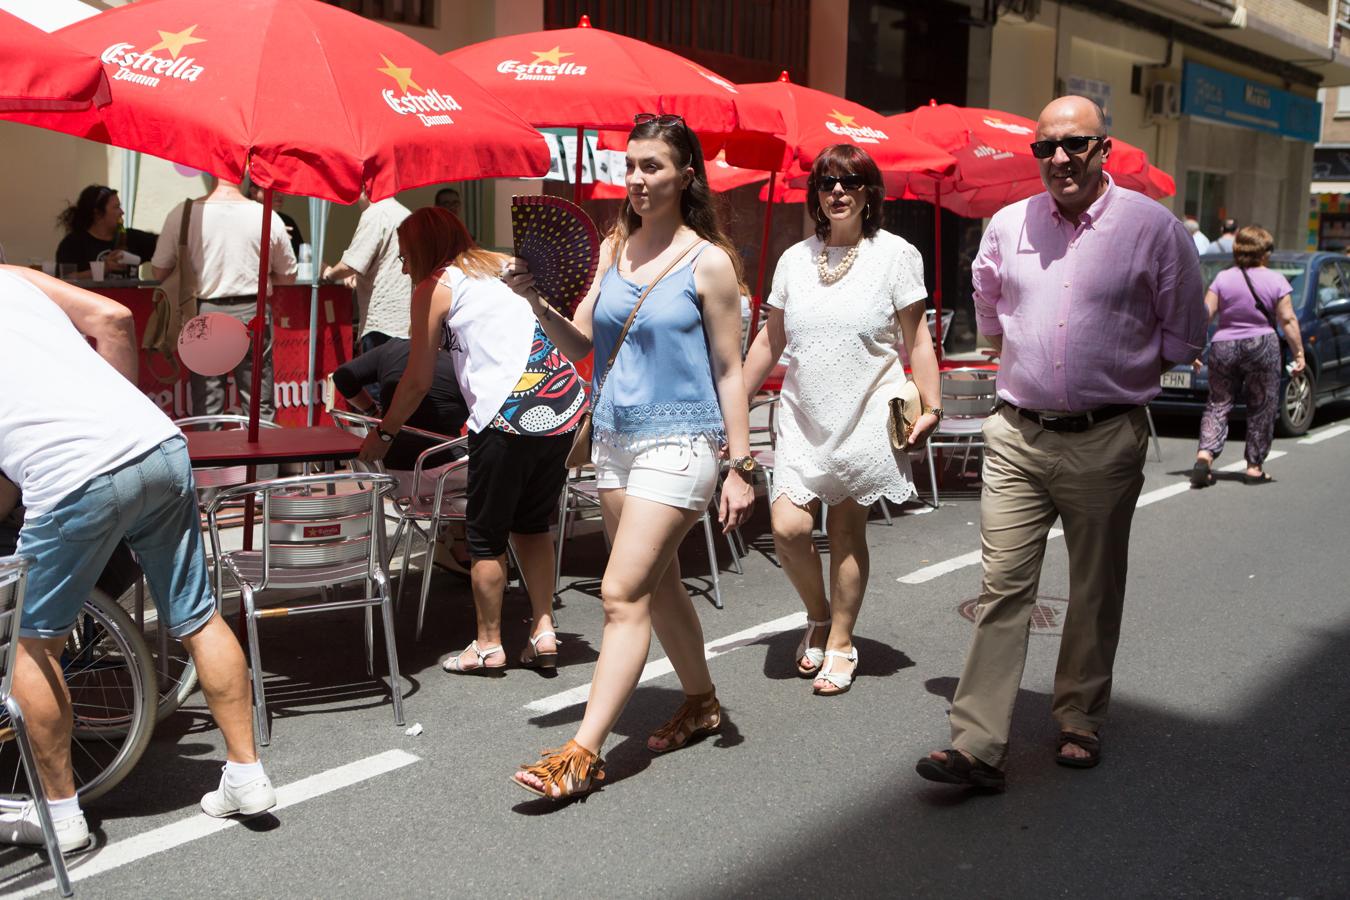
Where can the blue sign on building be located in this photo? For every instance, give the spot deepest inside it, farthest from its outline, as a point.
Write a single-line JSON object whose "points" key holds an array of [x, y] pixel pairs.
{"points": [[1225, 97]]}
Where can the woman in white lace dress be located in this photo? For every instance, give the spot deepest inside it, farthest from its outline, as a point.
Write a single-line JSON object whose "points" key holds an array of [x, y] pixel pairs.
{"points": [[841, 303]]}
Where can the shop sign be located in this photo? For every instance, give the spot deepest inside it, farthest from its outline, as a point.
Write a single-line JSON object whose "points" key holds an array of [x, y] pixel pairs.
{"points": [[1224, 97]]}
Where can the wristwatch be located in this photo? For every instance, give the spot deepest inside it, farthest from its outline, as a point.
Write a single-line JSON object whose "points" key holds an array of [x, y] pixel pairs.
{"points": [[745, 464], [384, 435], [935, 410]]}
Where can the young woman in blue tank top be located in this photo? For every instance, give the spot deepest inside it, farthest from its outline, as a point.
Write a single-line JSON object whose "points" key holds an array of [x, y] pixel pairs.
{"points": [[673, 399]]}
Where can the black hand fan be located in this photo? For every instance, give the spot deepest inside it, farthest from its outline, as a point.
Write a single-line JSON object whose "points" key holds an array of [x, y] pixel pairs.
{"points": [[561, 245]]}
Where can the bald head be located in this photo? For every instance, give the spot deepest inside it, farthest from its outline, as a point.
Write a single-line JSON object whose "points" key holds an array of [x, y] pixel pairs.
{"points": [[1080, 113]]}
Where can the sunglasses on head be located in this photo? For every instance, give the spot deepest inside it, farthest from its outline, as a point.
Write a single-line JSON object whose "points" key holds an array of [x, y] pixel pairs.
{"points": [[850, 182], [665, 120], [1072, 145]]}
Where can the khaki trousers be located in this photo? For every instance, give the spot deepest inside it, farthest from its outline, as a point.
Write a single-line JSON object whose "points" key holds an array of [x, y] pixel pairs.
{"points": [[1091, 480]]}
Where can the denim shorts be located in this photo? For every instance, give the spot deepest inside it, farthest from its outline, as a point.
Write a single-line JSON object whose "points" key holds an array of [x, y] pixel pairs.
{"points": [[679, 472], [152, 502]]}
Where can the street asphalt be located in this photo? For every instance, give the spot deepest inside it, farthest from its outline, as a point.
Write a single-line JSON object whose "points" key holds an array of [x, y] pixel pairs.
{"points": [[1223, 770]]}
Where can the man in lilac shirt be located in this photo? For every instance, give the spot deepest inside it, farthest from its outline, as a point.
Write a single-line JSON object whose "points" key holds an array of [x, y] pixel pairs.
{"points": [[1089, 291]]}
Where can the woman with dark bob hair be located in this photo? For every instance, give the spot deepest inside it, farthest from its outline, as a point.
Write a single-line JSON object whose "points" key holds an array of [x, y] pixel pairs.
{"points": [[1253, 304], [662, 413], [841, 303], [93, 226]]}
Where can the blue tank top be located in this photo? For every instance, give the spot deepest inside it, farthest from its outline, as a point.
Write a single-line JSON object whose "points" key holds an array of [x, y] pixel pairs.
{"points": [[661, 384]]}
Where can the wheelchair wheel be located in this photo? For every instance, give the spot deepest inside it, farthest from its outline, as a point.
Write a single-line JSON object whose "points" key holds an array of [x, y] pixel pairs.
{"points": [[107, 669]]}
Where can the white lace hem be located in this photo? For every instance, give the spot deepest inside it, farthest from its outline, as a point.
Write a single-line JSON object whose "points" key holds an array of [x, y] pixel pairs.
{"points": [[802, 495]]}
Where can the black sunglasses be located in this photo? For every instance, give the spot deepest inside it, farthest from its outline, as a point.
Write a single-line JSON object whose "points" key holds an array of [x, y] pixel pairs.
{"points": [[1072, 145], [850, 182], [665, 120]]}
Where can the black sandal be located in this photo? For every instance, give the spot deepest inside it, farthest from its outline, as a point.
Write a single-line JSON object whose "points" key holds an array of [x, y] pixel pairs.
{"points": [[957, 769], [1263, 478], [1089, 742], [1201, 476]]}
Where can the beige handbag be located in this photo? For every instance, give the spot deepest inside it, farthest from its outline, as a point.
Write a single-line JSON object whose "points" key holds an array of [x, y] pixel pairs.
{"points": [[904, 412], [175, 302], [580, 454]]}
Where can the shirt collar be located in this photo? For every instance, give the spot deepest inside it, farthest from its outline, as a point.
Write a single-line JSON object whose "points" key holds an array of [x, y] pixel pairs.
{"points": [[1093, 212]]}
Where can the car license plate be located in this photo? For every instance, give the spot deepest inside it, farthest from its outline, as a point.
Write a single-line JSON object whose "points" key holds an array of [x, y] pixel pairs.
{"points": [[1177, 380]]}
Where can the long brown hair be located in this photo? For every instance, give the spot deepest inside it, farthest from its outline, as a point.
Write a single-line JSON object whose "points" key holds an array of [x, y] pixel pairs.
{"points": [[846, 159], [697, 208], [432, 237]]}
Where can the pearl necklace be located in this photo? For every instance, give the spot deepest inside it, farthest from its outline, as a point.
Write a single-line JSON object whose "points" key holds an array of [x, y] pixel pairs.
{"points": [[823, 264]]}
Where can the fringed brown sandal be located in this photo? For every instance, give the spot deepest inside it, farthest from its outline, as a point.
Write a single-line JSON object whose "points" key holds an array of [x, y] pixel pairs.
{"points": [[698, 715], [569, 771]]}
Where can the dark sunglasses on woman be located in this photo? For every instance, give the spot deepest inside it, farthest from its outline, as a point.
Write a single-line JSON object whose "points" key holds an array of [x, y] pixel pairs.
{"points": [[850, 182], [1072, 145], [664, 120]]}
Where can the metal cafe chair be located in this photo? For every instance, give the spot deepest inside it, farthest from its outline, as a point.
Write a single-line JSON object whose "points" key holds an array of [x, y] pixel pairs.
{"points": [[319, 531], [968, 398], [420, 514], [13, 577]]}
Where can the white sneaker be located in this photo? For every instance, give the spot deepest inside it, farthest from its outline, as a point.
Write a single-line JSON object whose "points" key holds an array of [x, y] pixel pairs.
{"points": [[19, 824], [251, 799]]}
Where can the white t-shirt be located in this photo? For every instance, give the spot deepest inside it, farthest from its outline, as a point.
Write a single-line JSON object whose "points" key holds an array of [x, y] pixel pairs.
{"points": [[383, 292], [224, 241], [66, 415], [490, 332]]}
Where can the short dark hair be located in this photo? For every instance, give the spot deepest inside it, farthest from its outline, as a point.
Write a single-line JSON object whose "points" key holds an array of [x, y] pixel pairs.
{"points": [[93, 200], [444, 191], [1251, 246], [846, 159], [1229, 227]]}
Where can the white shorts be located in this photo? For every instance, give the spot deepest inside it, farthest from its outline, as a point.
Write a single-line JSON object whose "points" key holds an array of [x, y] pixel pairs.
{"points": [[679, 472]]}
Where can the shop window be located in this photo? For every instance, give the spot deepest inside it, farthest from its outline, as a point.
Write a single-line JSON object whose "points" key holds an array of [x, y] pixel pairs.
{"points": [[405, 12], [1342, 102], [1207, 200]]}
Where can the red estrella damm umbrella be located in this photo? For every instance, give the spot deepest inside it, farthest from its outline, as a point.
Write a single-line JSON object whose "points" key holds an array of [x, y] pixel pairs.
{"points": [[815, 120], [587, 77], [44, 73], [310, 99]]}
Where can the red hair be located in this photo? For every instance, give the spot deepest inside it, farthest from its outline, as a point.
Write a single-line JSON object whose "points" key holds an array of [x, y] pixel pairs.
{"points": [[432, 237]]}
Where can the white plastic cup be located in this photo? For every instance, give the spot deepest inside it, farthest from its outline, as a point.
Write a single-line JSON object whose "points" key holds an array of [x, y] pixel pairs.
{"points": [[96, 269]]}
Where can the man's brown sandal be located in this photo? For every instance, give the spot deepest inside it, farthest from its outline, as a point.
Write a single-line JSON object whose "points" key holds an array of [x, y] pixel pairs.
{"points": [[569, 771], [956, 768], [1089, 742], [698, 715]]}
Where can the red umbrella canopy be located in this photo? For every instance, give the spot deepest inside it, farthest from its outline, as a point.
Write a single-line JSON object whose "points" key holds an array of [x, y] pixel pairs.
{"points": [[994, 162], [815, 120], [587, 77], [42, 72], [320, 102]]}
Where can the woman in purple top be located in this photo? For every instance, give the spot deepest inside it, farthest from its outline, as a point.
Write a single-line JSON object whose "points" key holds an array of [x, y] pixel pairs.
{"points": [[1250, 300]]}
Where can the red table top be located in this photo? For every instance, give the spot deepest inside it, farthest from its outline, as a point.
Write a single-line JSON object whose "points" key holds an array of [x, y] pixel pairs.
{"points": [[274, 445]]}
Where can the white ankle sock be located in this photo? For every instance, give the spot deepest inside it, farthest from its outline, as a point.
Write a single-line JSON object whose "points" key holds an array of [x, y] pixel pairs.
{"points": [[240, 774], [68, 808]]}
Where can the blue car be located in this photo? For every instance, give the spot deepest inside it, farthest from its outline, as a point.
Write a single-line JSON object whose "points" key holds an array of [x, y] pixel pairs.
{"points": [[1321, 298]]}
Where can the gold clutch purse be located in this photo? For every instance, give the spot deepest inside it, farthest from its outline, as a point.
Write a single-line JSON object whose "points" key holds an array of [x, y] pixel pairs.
{"points": [[904, 412]]}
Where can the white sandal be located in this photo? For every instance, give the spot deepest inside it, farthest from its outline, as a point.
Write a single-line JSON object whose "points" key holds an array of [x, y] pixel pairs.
{"points": [[537, 660], [451, 663], [842, 681], [815, 654]]}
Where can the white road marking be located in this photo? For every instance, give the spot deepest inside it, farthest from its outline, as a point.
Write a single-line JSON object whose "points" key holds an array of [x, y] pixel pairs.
{"points": [[175, 834], [658, 667], [1318, 437], [928, 573]]}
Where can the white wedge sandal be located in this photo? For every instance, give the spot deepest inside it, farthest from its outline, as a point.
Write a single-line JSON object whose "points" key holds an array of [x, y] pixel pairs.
{"points": [[815, 654], [841, 681]]}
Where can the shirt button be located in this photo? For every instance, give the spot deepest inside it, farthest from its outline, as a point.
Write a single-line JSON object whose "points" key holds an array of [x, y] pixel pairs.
{"points": [[1059, 365], [1061, 324], [1066, 284]]}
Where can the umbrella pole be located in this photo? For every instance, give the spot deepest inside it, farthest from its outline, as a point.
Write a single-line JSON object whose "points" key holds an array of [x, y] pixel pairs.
{"points": [[581, 148], [937, 270], [318, 215], [259, 322], [763, 257]]}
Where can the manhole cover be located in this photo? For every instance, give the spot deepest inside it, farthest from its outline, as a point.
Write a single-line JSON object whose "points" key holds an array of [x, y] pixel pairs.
{"points": [[1046, 618]]}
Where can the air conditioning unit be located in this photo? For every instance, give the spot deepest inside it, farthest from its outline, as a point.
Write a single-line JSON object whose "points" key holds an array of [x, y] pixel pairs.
{"points": [[1164, 101]]}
